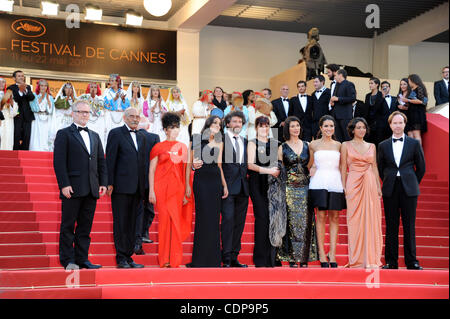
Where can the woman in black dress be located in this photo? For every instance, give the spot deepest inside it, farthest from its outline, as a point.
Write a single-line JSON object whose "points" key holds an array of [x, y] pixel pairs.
{"points": [[417, 108], [209, 188], [262, 162], [378, 113], [405, 93]]}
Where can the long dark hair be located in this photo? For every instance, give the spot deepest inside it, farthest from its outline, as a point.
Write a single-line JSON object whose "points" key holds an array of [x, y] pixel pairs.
{"points": [[421, 89], [245, 96], [400, 87], [352, 125], [321, 121], [205, 130]]}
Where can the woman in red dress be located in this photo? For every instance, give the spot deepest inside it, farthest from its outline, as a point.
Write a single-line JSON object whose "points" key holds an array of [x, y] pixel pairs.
{"points": [[167, 192]]}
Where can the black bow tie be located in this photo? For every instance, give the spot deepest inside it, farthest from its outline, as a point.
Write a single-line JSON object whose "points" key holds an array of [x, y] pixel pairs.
{"points": [[319, 91], [133, 131], [388, 95], [82, 129], [398, 139], [303, 95], [285, 100]]}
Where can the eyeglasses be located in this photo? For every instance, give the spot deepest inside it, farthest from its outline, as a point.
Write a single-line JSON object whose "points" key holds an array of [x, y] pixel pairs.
{"points": [[83, 112]]}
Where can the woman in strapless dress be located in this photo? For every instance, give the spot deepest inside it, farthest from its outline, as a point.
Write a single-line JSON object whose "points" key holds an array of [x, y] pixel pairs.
{"points": [[325, 188]]}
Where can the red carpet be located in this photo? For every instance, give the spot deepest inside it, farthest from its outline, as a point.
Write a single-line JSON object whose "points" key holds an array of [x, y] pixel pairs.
{"points": [[29, 263]]}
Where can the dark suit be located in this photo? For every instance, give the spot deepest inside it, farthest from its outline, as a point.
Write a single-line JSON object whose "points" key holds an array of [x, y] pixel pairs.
{"points": [[146, 212], [440, 92], [234, 207], [400, 195], [126, 173], [22, 121], [320, 108], [280, 113], [361, 110], [342, 110], [305, 117], [74, 166], [391, 109]]}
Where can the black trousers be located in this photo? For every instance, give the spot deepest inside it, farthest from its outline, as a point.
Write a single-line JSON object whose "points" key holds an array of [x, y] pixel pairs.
{"points": [[74, 242], [124, 209], [263, 251], [341, 130], [144, 219], [22, 132], [399, 204], [234, 213]]}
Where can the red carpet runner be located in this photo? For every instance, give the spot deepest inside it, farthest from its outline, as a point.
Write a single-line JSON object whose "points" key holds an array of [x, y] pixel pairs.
{"points": [[29, 264]]}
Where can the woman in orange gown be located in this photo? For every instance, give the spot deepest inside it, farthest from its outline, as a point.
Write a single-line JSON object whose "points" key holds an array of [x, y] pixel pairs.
{"points": [[363, 194], [167, 178]]}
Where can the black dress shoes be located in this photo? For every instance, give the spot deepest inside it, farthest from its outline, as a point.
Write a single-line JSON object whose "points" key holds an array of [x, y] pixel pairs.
{"points": [[415, 266], [390, 266], [123, 264], [226, 264], [134, 265], [89, 265], [139, 251], [147, 240], [237, 264], [293, 265]]}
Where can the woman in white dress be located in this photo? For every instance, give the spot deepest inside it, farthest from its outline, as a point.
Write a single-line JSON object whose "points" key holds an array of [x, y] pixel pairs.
{"points": [[2, 93], [9, 109], [115, 102], [176, 103], [62, 117], [326, 192], [134, 94], [201, 111], [154, 107], [97, 121], [263, 107], [43, 107]]}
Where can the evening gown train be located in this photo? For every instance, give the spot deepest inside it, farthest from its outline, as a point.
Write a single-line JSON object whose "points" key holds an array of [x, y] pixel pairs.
{"points": [[365, 238], [208, 190]]}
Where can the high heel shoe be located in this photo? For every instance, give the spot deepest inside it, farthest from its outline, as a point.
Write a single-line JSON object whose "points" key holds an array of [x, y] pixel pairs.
{"points": [[303, 265], [332, 264], [324, 265], [293, 265]]}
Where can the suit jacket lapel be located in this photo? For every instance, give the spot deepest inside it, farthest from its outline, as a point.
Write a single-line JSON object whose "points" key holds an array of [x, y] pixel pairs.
{"points": [[391, 151], [78, 137], [406, 146]]}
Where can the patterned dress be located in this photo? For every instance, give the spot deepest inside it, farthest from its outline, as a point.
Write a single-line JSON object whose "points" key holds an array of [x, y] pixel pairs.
{"points": [[300, 242]]}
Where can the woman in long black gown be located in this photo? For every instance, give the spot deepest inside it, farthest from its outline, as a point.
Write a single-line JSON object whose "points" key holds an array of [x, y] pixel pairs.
{"points": [[262, 162], [209, 188]]}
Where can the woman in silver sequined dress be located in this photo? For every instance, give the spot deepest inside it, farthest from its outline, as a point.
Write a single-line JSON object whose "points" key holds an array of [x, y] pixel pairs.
{"points": [[299, 243]]}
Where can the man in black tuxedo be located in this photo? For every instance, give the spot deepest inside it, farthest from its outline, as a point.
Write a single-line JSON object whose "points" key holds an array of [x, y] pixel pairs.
{"points": [[80, 169], [401, 165], [391, 105], [441, 88], [320, 100], [281, 110], [22, 94], [360, 109], [342, 104], [146, 211], [301, 106], [331, 73], [126, 162], [234, 207]]}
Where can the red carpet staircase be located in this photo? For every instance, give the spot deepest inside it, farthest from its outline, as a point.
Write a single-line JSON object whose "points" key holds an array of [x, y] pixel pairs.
{"points": [[29, 263]]}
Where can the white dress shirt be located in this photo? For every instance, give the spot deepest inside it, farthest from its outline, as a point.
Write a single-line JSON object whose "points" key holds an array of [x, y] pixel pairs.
{"points": [[332, 87], [397, 147], [303, 101], [446, 83], [388, 99], [319, 92], [85, 137], [133, 136], [241, 145]]}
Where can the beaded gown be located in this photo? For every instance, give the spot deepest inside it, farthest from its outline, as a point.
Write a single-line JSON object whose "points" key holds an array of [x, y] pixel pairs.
{"points": [[300, 241]]}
